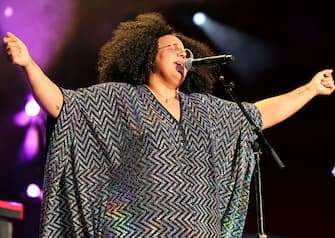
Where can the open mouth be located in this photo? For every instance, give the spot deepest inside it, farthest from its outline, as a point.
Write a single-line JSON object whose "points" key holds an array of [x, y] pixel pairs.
{"points": [[180, 67]]}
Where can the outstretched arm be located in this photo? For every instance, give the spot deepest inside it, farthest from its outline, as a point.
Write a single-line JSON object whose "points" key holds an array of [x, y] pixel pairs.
{"points": [[46, 93], [279, 108]]}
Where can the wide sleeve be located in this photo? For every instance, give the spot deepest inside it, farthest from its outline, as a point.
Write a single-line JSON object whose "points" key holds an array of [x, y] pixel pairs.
{"points": [[234, 161], [58, 156], [83, 149]]}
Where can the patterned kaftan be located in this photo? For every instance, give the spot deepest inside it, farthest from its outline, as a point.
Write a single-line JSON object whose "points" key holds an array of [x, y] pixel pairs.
{"points": [[119, 165]]}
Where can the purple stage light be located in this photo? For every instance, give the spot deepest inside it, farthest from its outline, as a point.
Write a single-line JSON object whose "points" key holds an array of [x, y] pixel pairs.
{"points": [[21, 119], [30, 114], [43, 25], [8, 12], [30, 144], [33, 118]]}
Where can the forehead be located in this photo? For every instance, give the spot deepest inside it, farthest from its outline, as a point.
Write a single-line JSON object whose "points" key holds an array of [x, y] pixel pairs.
{"points": [[169, 39]]}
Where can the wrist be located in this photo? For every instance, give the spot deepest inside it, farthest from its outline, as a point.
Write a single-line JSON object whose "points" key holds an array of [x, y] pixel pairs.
{"points": [[306, 91], [310, 89], [29, 65]]}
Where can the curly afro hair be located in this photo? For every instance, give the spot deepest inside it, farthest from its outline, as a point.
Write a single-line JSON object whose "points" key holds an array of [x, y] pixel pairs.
{"points": [[129, 55]]}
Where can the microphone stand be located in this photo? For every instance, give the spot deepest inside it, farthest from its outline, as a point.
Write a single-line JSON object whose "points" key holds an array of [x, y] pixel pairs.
{"points": [[261, 144]]}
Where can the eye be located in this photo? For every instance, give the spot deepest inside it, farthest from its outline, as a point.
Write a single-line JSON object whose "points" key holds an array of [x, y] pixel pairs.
{"points": [[175, 47]]}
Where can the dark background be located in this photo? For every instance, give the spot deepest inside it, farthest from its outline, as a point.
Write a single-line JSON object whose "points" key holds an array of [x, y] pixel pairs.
{"points": [[299, 200]]}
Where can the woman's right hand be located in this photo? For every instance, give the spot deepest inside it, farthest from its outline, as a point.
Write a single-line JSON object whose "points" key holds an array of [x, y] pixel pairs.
{"points": [[16, 50], [46, 93]]}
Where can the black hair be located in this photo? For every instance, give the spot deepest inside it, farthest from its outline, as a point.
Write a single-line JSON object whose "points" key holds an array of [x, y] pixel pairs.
{"points": [[129, 55]]}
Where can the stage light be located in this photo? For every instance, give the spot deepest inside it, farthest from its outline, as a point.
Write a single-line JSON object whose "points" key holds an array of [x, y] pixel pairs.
{"points": [[253, 56], [33, 191], [8, 12], [42, 15], [30, 144], [21, 118], [199, 18], [32, 108], [33, 118], [31, 113]]}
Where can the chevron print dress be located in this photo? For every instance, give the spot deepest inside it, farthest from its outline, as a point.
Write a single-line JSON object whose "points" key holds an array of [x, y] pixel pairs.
{"points": [[119, 165]]}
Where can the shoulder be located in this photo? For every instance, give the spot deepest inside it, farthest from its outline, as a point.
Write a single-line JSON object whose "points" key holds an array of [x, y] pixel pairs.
{"points": [[209, 100], [220, 107], [109, 89], [107, 92], [105, 87]]}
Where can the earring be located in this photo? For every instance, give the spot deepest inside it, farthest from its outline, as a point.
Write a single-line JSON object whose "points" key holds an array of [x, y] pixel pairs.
{"points": [[151, 67]]}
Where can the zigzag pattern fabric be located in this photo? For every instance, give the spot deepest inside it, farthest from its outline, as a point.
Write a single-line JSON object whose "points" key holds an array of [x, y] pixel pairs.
{"points": [[119, 165]]}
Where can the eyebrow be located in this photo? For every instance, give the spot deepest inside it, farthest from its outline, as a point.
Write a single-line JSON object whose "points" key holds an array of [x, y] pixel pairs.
{"points": [[171, 44]]}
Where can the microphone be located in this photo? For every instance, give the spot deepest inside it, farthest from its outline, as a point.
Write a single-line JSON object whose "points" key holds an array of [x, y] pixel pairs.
{"points": [[191, 63]]}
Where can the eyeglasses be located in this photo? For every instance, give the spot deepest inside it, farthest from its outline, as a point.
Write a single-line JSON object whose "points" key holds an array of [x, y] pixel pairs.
{"points": [[176, 48]]}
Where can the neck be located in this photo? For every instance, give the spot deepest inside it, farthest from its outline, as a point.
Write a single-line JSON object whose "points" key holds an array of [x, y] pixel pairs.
{"points": [[166, 95]]}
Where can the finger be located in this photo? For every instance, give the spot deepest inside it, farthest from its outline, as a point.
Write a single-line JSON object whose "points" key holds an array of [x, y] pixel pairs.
{"points": [[329, 80], [10, 46], [12, 37], [13, 49], [328, 83], [7, 40], [328, 72], [10, 40]]}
